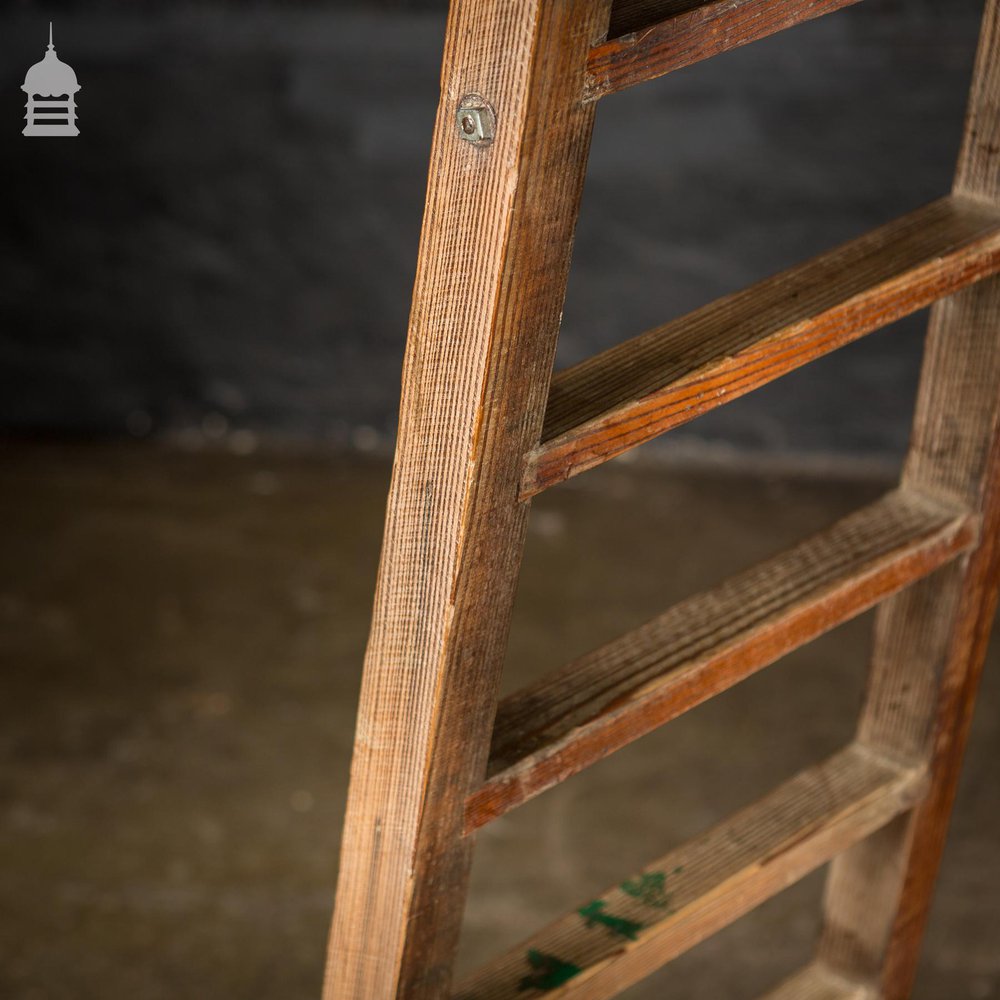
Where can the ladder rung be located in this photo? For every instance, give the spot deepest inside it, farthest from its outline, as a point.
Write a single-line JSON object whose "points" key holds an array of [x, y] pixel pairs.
{"points": [[816, 982], [667, 376], [597, 704], [635, 15], [619, 938], [654, 37]]}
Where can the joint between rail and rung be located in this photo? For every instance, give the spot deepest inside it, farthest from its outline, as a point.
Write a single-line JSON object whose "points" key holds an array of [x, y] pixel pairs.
{"points": [[599, 703], [640, 389], [644, 49], [649, 918]]}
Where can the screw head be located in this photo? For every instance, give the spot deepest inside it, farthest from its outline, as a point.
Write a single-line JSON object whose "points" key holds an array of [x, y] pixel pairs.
{"points": [[476, 120]]}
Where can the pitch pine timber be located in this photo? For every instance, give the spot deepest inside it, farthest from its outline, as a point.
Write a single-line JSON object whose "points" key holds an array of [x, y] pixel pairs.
{"points": [[491, 274], [491, 278], [593, 706], [816, 982], [930, 640], [696, 890], [667, 376], [649, 38]]}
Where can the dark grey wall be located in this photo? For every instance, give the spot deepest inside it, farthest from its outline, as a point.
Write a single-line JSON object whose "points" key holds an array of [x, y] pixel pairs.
{"points": [[230, 243]]}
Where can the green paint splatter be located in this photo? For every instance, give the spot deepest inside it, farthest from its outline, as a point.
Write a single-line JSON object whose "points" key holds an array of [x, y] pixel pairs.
{"points": [[548, 972], [593, 913], [649, 888]]}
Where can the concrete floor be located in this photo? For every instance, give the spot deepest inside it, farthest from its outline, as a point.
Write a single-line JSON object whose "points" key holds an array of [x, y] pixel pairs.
{"points": [[182, 639]]}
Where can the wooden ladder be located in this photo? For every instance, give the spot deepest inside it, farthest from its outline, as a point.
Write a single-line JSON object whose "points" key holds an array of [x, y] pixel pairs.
{"points": [[484, 426]]}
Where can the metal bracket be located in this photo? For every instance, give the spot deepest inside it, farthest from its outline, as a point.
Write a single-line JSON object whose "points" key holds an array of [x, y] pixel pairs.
{"points": [[476, 120]]}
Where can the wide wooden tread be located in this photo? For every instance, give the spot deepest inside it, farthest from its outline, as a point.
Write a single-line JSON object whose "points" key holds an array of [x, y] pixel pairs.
{"points": [[597, 704], [667, 376], [614, 940], [816, 982], [648, 38]]}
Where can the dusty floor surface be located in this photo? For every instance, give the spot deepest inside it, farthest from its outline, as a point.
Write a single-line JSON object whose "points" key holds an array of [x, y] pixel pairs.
{"points": [[182, 639]]}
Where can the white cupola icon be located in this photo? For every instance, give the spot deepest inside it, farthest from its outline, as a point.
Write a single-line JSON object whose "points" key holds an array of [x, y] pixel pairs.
{"points": [[51, 88]]}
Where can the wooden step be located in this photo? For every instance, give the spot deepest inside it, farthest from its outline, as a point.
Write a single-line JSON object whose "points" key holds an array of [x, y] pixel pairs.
{"points": [[648, 38], [637, 390], [595, 705], [816, 982], [613, 941]]}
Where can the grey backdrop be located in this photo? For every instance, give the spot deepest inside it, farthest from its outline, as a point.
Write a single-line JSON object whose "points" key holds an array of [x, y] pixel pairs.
{"points": [[229, 246]]}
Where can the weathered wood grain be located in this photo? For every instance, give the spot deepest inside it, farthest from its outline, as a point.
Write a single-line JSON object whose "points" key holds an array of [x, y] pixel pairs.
{"points": [[930, 641], [599, 703], [490, 282], [667, 376], [929, 646], [649, 38], [817, 982], [611, 942], [634, 15]]}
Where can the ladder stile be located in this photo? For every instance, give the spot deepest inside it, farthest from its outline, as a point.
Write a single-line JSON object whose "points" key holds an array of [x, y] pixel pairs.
{"points": [[930, 641], [491, 277], [484, 426]]}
